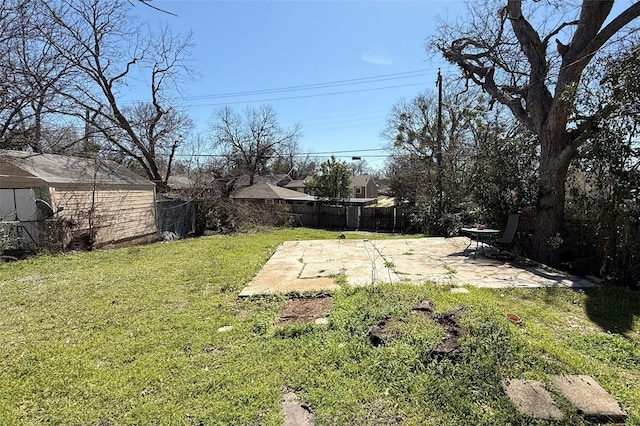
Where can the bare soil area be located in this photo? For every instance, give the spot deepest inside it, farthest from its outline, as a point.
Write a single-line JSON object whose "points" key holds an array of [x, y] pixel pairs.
{"points": [[305, 310]]}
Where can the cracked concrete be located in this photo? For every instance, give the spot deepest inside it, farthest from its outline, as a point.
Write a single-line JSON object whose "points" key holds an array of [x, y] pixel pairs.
{"points": [[302, 266]]}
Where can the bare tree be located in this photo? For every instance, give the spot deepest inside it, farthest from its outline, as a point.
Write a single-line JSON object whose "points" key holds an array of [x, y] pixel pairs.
{"points": [[290, 160], [99, 40], [412, 130], [31, 75], [146, 3], [507, 52], [250, 141]]}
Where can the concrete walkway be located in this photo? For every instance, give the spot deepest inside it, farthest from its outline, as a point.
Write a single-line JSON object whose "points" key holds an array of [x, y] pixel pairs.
{"points": [[313, 265]]}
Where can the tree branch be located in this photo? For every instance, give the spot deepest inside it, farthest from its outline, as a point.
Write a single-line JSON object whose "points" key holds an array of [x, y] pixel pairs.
{"points": [[620, 21], [146, 3], [562, 26]]}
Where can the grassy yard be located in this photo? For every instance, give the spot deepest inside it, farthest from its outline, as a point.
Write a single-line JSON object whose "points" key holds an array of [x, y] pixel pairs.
{"points": [[131, 336]]}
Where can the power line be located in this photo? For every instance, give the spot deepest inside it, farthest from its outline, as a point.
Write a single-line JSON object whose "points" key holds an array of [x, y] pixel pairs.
{"points": [[313, 86], [190, 100], [350, 151], [310, 95]]}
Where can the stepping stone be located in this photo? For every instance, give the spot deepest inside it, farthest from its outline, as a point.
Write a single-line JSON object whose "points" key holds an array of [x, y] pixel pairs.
{"points": [[589, 398], [532, 398], [296, 414], [322, 321]]}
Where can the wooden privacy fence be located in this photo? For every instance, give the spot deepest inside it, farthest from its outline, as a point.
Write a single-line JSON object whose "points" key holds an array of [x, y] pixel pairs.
{"points": [[381, 219], [317, 216]]}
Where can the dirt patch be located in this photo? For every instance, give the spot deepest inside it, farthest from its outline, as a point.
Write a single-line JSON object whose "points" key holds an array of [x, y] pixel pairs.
{"points": [[385, 330], [305, 310], [390, 328], [449, 347]]}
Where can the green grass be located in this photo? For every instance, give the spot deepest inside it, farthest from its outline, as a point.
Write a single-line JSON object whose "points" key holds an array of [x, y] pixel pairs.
{"points": [[131, 336]]}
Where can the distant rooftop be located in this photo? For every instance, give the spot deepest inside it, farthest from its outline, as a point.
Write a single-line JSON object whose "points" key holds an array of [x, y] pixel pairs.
{"points": [[267, 191]]}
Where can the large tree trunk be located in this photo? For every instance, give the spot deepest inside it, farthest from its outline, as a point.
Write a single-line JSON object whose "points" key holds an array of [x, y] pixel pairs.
{"points": [[545, 101], [554, 164], [550, 217]]}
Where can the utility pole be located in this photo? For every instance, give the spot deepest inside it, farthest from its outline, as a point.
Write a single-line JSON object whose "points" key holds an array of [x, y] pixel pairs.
{"points": [[438, 155]]}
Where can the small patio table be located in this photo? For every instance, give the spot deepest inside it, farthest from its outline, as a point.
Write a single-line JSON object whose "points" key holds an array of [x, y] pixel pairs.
{"points": [[482, 236]]}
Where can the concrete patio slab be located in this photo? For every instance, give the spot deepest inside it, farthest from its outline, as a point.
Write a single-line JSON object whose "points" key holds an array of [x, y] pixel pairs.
{"points": [[313, 265]]}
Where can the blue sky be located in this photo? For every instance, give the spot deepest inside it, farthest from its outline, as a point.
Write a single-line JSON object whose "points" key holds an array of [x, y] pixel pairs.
{"points": [[371, 54]]}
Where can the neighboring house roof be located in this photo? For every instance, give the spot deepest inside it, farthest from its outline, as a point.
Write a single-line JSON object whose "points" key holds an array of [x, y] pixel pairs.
{"points": [[360, 180], [297, 183], [60, 170], [269, 178], [284, 179], [267, 191], [180, 182]]}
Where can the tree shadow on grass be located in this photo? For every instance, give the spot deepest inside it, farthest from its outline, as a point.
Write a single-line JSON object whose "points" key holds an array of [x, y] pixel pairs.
{"points": [[614, 309]]}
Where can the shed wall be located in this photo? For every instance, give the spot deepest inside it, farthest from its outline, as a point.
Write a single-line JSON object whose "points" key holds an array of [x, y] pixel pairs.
{"points": [[116, 214]]}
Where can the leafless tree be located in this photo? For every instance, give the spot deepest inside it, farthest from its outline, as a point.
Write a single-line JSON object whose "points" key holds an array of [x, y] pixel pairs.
{"points": [[292, 161], [146, 3], [99, 40], [31, 76], [412, 131], [508, 52], [252, 140]]}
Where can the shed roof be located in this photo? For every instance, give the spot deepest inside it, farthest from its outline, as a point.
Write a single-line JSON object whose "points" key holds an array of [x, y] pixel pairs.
{"points": [[65, 171], [13, 177]]}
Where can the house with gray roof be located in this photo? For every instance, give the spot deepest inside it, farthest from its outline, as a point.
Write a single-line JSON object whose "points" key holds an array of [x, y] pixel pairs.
{"points": [[266, 193], [364, 186]]}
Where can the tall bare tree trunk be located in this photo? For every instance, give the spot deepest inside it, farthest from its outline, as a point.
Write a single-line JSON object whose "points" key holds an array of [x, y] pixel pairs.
{"points": [[550, 211], [556, 151]]}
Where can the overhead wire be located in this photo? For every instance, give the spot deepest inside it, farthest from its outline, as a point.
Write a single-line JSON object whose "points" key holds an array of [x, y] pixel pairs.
{"points": [[314, 86], [301, 88], [319, 153], [314, 95], [311, 90]]}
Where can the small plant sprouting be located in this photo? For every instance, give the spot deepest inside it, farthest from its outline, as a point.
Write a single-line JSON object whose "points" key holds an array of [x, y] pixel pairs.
{"points": [[340, 279]]}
